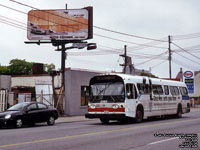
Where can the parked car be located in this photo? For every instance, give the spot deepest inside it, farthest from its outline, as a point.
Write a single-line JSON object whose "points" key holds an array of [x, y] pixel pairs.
{"points": [[28, 113]]}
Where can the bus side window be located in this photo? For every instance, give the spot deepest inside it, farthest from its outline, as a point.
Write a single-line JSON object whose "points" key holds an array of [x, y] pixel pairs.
{"points": [[157, 89], [172, 90], [160, 89], [166, 90], [131, 91], [154, 89], [183, 91], [176, 90], [143, 88]]}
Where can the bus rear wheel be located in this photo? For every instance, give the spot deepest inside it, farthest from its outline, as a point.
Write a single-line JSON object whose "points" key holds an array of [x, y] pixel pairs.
{"points": [[179, 112], [104, 121]]}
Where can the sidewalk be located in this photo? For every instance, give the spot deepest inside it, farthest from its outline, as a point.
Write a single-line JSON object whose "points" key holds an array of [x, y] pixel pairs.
{"points": [[68, 119]]}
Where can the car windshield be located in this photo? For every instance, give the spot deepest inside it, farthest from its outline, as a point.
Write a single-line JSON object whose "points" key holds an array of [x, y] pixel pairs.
{"points": [[17, 107], [110, 91]]}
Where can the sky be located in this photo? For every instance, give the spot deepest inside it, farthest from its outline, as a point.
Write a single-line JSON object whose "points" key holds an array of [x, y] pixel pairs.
{"points": [[153, 20]]}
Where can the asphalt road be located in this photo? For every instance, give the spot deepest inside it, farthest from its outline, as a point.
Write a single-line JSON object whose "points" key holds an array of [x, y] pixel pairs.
{"points": [[156, 134]]}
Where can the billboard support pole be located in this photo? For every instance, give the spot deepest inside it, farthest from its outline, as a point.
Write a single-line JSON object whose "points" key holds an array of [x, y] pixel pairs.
{"points": [[63, 58]]}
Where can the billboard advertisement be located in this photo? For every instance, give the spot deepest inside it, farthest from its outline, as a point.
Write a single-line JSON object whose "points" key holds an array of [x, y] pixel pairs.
{"points": [[62, 24]]}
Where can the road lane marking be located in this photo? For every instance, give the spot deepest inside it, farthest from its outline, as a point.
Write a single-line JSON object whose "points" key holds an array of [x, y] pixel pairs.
{"points": [[95, 133], [163, 141]]}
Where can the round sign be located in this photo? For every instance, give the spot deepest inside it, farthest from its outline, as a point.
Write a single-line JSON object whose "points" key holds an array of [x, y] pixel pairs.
{"points": [[188, 74]]}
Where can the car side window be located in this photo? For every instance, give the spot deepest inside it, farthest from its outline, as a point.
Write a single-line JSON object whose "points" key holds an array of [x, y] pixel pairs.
{"points": [[32, 107], [42, 106]]}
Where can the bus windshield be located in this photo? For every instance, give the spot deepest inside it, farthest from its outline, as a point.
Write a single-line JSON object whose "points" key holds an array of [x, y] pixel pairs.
{"points": [[107, 92]]}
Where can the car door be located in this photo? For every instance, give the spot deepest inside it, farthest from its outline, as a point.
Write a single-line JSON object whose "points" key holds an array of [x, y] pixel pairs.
{"points": [[43, 112], [32, 114]]}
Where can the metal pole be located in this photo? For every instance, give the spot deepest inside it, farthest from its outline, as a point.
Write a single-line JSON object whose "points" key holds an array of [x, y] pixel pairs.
{"points": [[63, 57], [170, 57], [125, 58]]}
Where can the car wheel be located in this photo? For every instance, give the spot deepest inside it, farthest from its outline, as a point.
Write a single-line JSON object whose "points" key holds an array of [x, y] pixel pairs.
{"points": [[18, 123], [51, 121]]}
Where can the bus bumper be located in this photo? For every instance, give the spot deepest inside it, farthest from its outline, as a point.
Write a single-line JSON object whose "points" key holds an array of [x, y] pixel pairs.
{"points": [[106, 116]]}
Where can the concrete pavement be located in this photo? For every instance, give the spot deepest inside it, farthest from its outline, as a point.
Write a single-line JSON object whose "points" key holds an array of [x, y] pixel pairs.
{"points": [[65, 119], [68, 119]]}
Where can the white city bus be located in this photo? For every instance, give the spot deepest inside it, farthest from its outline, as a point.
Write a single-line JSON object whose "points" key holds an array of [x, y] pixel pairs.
{"points": [[121, 96]]}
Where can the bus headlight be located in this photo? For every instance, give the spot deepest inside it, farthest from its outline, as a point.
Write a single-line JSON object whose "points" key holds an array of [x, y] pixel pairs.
{"points": [[115, 106], [92, 106]]}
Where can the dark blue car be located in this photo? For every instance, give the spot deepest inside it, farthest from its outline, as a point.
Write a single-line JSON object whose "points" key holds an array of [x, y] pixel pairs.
{"points": [[28, 113]]}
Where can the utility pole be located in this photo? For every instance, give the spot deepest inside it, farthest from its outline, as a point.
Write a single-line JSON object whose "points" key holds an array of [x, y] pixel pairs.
{"points": [[125, 59], [170, 57]]}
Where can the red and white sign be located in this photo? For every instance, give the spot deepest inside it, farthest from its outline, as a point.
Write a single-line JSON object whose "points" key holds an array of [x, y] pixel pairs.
{"points": [[188, 74]]}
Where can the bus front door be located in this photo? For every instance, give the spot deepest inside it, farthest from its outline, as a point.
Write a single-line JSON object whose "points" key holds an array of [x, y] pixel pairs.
{"points": [[130, 104]]}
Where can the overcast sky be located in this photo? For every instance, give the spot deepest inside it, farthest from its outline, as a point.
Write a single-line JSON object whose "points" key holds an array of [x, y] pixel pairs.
{"points": [[155, 19]]}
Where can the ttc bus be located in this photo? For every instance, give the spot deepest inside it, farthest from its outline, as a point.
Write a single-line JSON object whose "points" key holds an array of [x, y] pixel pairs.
{"points": [[121, 96]]}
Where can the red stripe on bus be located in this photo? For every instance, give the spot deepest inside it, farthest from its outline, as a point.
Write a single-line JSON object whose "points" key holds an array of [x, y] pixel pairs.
{"points": [[106, 109]]}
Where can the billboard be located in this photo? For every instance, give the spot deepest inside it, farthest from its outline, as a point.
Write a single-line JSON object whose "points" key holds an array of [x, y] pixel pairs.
{"points": [[61, 24]]}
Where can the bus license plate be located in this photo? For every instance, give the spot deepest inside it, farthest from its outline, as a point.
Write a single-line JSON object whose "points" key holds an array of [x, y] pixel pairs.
{"points": [[106, 111]]}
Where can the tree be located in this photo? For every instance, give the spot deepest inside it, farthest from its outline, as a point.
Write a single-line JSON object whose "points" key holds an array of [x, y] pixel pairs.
{"points": [[4, 70], [20, 67]]}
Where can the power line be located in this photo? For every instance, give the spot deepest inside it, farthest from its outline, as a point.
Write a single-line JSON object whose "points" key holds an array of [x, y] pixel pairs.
{"points": [[159, 64], [186, 36], [186, 51], [184, 64], [187, 58], [151, 59], [108, 51], [111, 50]]}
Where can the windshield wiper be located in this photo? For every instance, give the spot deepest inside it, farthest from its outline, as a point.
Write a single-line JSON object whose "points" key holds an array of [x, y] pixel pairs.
{"points": [[112, 98]]}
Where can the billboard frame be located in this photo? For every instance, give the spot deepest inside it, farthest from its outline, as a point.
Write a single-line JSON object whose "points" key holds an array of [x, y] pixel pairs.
{"points": [[56, 36]]}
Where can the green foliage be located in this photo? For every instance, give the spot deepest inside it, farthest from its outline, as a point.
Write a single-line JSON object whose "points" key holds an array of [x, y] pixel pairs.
{"points": [[20, 67], [4, 70]]}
